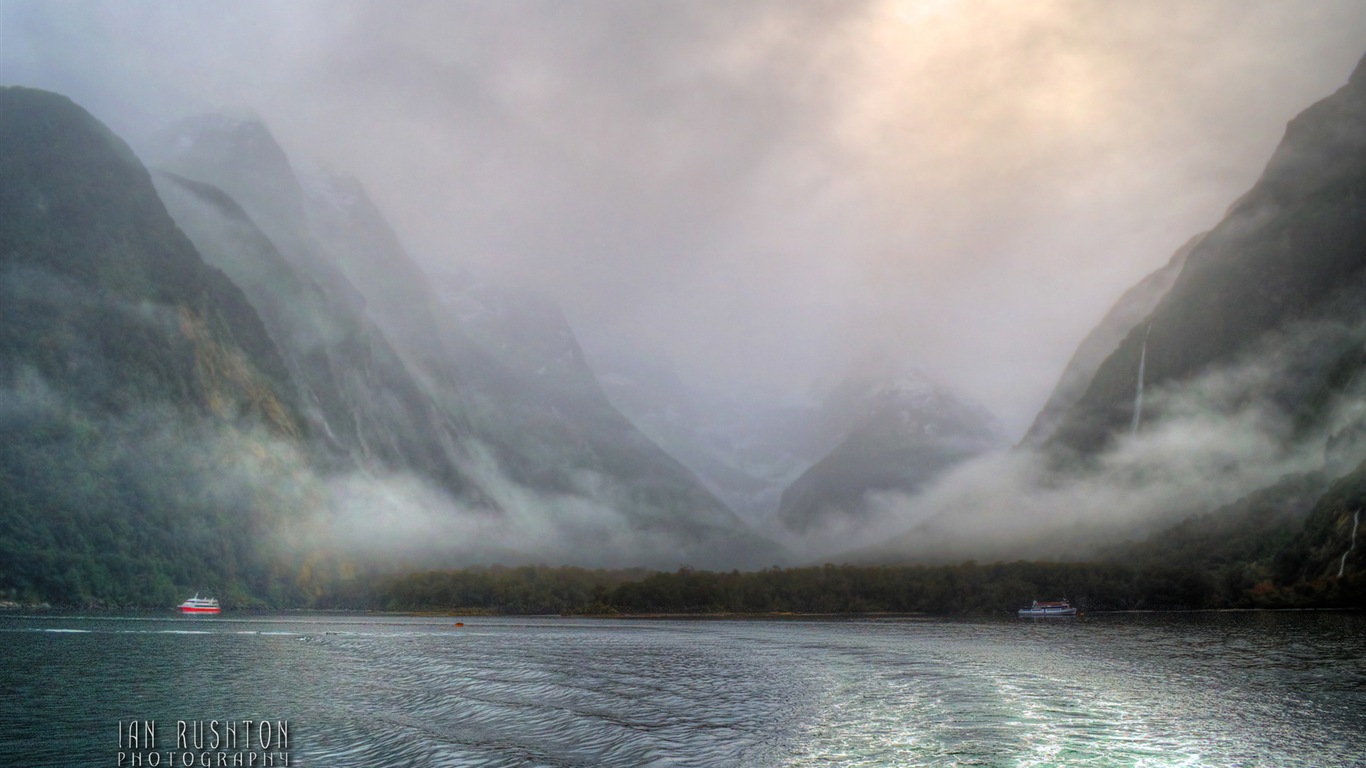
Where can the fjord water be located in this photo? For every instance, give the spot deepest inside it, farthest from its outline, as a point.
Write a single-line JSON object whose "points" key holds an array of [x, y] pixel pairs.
{"points": [[1275, 689]]}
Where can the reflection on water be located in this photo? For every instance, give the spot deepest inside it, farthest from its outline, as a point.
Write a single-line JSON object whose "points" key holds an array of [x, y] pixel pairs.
{"points": [[1192, 689]]}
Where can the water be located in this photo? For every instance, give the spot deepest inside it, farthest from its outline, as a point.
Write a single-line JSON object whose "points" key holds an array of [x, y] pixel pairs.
{"points": [[1217, 689], [1138, 390], [1342, 564]]}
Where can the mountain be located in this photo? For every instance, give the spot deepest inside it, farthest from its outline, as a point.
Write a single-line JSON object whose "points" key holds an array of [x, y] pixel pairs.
{"points": [[1288, 259], [746, 449], [904, 432], [1326, 560], [1261, 336], [130, 372], [524, 331], [239, 152], [98, 277], [357, 395], [1133, 307], [1222, 413], [541, 407], [497, 367], [798, 469]]}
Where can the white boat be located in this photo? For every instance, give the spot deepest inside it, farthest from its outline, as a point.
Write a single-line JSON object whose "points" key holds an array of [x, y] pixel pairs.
{"points": [[199, 605], [1054, 608]]}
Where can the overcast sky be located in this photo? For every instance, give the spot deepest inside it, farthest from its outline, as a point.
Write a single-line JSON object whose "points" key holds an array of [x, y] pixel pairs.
{"points": [[758, 192]]}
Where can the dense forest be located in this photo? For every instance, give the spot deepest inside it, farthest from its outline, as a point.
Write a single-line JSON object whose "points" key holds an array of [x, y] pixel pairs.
{"points": [[162, 428], [968, 588], [1255, 553]]}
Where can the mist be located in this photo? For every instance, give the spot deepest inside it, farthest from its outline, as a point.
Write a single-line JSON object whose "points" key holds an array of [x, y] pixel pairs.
{"points": [[273, 494], [1204, 443], [763, 200], [758, 193]]}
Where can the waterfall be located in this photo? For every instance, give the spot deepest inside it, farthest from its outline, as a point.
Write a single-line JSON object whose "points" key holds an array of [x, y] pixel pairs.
{"points": [[1138, 392], [1356, 518]]}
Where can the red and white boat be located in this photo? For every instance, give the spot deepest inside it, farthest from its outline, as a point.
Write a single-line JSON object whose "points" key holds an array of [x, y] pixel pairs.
{"points": [[199, 605]]}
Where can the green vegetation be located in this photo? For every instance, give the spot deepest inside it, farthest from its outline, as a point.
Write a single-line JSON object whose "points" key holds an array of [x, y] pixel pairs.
{"points": [[101, 295], [127, 367], [497, 589], [1277, 548], [1310, 560], [968, 588], [105, 513], [153, 442]]}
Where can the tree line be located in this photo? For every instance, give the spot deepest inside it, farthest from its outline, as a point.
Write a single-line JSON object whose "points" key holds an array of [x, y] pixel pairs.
{"points": [[966, 588]]}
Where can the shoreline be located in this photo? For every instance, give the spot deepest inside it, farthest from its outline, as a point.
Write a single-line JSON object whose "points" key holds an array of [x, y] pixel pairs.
{"points": [[457, 613]]}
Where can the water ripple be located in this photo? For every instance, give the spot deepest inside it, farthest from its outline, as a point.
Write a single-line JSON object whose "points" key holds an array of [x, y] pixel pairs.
{"points": [[1145, 690]]}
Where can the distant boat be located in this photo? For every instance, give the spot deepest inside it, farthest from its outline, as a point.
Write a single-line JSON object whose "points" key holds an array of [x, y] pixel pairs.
{"points": [[199, 605], [1055, 608]]}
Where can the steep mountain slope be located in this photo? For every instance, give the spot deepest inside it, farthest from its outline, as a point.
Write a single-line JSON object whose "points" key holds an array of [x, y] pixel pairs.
{"points": [[241, 155], [905, 432], [503, 366], [797, 470], [525, 332], [99, 277], [538, 402], [128, 370], [1290, 254], [1329, 553], [357, 394], [1261, 337], [1133, 307], [511, 363]]}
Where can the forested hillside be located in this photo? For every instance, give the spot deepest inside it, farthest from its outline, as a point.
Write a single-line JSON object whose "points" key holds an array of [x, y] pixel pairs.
{"points": [[136, 382]]}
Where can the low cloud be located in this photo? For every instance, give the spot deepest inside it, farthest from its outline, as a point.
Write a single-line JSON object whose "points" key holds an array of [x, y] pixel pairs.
{"points": [[1204, 443], [399, 515], [753, 191]]}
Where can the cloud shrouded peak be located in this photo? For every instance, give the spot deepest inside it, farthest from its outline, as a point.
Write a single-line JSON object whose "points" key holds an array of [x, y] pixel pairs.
{"points": [[756, 192]]}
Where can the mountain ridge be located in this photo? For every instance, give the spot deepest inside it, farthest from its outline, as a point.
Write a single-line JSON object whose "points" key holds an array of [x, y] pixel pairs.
{"points": [[1293, 240], [905, 431], [548, 433], [137, 384]]}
